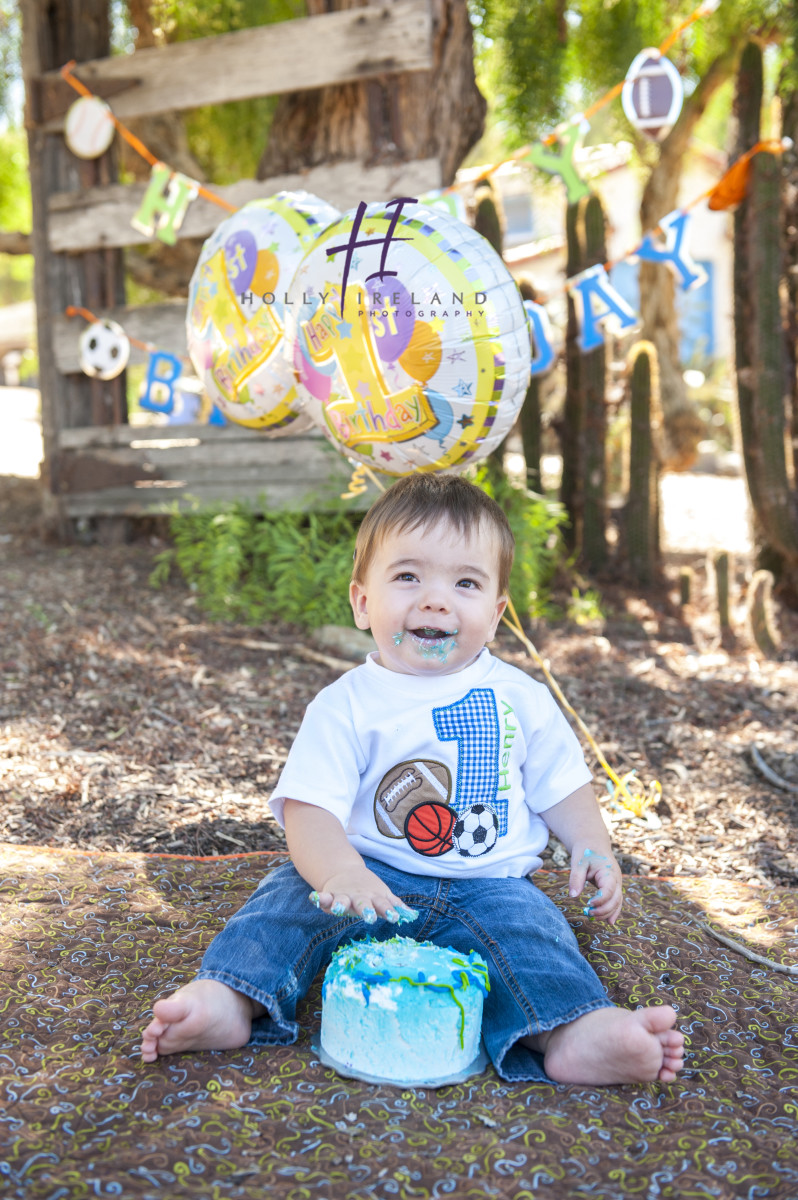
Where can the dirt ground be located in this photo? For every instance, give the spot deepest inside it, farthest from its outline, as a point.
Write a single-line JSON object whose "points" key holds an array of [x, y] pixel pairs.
{"points": [[129, 722]]}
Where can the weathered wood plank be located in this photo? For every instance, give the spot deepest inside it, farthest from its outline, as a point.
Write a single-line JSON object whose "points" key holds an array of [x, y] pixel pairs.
{"points": [[123, 436], [141, 502], [125, 471], [388, 37], [101, 216]]}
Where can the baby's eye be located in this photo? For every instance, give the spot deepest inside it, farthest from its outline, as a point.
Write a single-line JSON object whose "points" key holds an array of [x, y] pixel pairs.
{"points": [[406, 577], [467, 583]]}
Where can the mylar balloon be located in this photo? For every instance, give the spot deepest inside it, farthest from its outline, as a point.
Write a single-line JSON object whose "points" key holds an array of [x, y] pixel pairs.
{"points": [[409, 338], [236, 306]]}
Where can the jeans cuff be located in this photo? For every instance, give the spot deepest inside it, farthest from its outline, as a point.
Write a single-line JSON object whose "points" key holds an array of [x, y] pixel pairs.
{"points": [[516, 1063], [269, 1029]]}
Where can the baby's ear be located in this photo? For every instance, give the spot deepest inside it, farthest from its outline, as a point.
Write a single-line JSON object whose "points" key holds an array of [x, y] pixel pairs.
{"points": [[501, 604], [357, 598]]}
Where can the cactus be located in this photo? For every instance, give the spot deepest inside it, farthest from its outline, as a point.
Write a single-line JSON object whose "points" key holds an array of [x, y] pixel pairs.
{"points": [[685, 586], [488, 217], [488, 222], [530, 416], [642, 509], [722, 571], [583, 489], [759, 612], [760, 350]]}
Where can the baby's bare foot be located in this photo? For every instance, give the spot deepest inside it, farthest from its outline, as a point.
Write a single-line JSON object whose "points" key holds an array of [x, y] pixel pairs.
{"points": [[614, 1045], [203, 1015]]}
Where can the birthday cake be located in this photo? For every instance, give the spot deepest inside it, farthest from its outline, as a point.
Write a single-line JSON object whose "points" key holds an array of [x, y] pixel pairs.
{"points": [[402, 1010]]}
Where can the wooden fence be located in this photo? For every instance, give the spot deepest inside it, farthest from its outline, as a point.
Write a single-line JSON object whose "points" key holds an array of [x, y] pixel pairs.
{"points": [[95, 465]]}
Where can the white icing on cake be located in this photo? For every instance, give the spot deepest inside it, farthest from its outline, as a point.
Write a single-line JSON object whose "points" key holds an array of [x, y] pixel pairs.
{"points": [[403, 1010]]}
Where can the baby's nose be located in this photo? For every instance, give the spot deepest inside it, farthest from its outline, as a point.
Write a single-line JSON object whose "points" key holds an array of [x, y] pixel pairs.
{"points": [[435, 599]]}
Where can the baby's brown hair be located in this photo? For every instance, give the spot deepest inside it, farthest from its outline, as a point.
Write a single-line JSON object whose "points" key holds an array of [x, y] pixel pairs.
{"points": [[423, 500]]}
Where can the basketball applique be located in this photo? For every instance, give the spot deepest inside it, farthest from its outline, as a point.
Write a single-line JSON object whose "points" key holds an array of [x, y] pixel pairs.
{"points": [[428, 828], [404, 787], [475, 833]]}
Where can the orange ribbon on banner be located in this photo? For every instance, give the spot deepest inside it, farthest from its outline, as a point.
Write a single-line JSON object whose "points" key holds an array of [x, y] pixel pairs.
{"points": [[133, 141]]}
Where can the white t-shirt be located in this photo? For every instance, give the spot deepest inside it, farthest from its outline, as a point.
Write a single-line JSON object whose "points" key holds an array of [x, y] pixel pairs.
{"points": [[443, 775]]}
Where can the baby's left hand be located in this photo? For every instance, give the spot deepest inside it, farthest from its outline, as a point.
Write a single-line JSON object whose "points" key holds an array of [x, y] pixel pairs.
{"points": [[602, 870]]}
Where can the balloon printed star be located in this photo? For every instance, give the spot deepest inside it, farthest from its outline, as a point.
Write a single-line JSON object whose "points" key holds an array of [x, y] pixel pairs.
{"points": [[456, 356], [464, 422], [363, 389], [344, 329], [462, 388]]}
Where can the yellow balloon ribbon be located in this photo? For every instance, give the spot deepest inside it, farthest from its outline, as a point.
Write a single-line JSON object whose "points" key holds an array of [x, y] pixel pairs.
{"points": [[629, 792]]}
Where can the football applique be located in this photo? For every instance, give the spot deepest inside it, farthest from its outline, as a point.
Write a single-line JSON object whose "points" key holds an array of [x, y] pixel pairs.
{"points": [[475, 833], [406, 786]]}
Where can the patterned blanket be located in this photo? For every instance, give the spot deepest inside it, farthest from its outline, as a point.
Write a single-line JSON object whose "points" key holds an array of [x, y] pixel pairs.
{"points": [[88, 943]]}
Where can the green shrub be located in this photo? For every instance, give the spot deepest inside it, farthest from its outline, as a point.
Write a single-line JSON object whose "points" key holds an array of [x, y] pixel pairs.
{"points": [[251, 566]]}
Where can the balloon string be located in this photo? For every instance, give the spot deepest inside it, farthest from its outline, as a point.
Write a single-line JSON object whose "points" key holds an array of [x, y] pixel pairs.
{"points": [[136, 143], [635, 803], [357, 484]]}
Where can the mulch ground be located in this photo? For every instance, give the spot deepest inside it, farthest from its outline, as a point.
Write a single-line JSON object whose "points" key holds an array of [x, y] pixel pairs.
{"points": [[129, 722]]}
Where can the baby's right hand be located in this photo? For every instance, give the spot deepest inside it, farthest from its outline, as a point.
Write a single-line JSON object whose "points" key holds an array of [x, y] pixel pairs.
{"points": [[361, 894]]}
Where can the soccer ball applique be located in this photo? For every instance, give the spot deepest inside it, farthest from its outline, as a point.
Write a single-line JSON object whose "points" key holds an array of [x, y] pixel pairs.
{"points": [[476, 832]]}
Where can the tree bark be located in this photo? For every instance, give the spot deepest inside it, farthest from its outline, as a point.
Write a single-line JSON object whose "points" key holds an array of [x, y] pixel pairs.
{"points": [[657, 295], [394, 118], [54, 32], [163, 268], [763, 387]]}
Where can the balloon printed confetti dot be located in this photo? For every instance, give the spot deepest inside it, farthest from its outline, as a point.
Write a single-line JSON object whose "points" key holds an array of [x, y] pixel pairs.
{"points": [[236, 307], [409, 339]]}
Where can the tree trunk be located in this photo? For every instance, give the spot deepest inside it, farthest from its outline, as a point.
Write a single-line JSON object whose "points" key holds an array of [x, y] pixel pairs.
{"points": [[393, 118], [790, 242], [762, 362], [54, 32], [657, 297], [155, 265]]}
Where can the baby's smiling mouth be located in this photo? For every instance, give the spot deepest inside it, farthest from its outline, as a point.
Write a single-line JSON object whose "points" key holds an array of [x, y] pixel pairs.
{"points": [[428, 633]]}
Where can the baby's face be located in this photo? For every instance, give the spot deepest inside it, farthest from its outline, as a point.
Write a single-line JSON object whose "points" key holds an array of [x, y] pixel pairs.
{"points": [[431, 598]]}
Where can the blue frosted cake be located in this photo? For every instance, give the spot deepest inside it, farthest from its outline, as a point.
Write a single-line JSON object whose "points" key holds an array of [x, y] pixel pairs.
{"points": [[403, 1010]]}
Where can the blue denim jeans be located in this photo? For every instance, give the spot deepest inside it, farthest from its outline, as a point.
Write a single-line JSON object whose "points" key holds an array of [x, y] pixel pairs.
{"points": [[272, 949]]}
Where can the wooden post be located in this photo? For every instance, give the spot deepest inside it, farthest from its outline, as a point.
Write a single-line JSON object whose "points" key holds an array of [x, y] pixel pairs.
{"points": [[53, 33]]}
